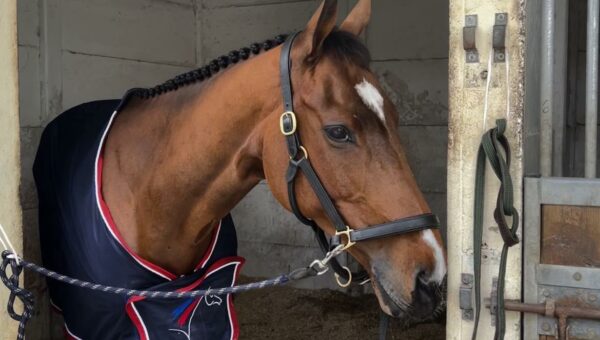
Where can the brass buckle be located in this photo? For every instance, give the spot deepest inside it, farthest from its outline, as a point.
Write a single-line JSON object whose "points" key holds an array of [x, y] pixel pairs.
{"points": [[294, 124], [346, 232]]}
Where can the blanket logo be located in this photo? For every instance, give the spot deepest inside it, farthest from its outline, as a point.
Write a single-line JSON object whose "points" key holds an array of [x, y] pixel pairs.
{"points": [[211, 300]]}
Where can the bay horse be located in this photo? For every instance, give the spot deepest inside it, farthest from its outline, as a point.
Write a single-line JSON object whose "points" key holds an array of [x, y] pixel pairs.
{"points": [[137, 193]]}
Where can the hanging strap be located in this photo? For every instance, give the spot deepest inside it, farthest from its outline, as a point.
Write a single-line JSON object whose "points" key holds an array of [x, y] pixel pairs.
{"points": [[494, 146], [384, 322]]}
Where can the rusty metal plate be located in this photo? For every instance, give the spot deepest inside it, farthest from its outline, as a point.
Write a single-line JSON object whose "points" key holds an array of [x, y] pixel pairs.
{"points": [[570, 235]]}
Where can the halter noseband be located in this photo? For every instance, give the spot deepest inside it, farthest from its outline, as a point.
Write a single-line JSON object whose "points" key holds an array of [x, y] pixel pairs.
{"points": [[299, 160]]}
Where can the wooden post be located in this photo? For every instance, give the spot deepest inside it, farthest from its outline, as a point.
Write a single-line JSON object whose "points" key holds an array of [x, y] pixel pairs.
{"points": [[10, 208]]}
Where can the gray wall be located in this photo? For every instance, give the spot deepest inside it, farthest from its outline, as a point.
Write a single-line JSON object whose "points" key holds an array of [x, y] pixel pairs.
{"points": [[71, 51]]}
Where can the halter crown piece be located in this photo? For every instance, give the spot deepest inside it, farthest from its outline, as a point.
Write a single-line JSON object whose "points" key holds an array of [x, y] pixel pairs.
{"points": [[299, 160]]}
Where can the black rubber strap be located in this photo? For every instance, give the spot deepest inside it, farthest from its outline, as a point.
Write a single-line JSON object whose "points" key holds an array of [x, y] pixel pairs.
{"points": [[287, 91], [402, 226], [494, 147], [291, 184], [321, 194], [285, 70], [384, 322], [293, 142], [324, 243], [299, 161]]}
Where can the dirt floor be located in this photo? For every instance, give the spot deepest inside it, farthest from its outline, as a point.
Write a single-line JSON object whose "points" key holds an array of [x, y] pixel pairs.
{"points": [[288, 313]]}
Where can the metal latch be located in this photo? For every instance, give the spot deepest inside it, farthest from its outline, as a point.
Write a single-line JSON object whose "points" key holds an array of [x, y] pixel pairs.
{"points": [[469, 37], [493, 301], [465, 297], [499, 37]]}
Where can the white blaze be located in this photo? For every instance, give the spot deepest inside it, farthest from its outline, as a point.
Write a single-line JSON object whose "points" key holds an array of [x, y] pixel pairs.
{"points": [[371, 97], [440, 265]]}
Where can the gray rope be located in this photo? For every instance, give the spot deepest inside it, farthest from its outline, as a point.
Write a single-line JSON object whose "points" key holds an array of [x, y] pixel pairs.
{"points": [[9, 259]]}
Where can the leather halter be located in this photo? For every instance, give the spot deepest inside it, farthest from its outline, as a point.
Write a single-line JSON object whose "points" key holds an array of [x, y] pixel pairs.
{"points": [[299, 161]]}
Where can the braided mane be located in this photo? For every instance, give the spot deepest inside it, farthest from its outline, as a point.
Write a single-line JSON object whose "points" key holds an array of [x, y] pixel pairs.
{"points": [[343, 46], [207, 71]]}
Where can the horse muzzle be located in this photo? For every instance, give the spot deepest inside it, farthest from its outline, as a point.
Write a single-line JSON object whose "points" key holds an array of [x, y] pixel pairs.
{"points": [[426, 300]]}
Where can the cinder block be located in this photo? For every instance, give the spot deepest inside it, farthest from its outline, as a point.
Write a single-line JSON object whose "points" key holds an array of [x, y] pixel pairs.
{"points": [[87, 78], [186, 3], [30, 139], [260, 217], [409, 29], [156, 31], [229, 28], [426, 148], [418, 89], [28, 22], [29, 86], [239, 3]]}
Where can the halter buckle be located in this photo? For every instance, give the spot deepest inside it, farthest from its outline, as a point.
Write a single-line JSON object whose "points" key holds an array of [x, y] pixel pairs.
{"points": [[349, 242], [287, 123]]}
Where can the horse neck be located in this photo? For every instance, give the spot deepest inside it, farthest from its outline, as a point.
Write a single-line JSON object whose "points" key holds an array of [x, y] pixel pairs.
{"points": [[184, 159]]}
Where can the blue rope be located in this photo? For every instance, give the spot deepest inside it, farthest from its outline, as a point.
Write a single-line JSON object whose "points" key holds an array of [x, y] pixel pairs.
{"points": [[9, 259]]}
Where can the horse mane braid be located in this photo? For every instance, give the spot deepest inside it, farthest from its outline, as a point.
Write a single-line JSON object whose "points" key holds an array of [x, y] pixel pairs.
{"points": [[212, 68]]}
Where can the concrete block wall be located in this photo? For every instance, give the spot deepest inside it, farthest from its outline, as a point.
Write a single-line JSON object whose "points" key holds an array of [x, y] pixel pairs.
{"points": [[72, 51]]}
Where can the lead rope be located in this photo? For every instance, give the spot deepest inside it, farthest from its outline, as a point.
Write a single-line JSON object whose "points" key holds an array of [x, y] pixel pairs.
{"points": [[10, 259], [494, 146], [384, 323]]}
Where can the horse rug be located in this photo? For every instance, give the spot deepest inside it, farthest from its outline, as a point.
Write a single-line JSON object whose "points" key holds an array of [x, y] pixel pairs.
{"points": [[79, 239]]}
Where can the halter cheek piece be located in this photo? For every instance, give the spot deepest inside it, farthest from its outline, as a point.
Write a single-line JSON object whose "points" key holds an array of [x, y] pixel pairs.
{"points": [[299, 161]]}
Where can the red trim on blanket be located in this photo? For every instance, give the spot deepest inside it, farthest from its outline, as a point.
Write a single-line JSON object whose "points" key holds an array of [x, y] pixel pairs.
{"points": [[215, 267], [211, 247], [135, 317], [112, 226], [235, 326]]}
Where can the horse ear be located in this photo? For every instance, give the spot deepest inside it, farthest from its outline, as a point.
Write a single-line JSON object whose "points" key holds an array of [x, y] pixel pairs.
{"points": [[319, 27], [358, 19]]}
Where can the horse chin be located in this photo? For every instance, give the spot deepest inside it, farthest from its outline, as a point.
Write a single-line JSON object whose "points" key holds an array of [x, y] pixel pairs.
{"points": [[390, 305]]}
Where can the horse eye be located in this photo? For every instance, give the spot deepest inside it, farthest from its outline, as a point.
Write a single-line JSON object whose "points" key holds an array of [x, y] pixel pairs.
{"points": [[338, 133]]}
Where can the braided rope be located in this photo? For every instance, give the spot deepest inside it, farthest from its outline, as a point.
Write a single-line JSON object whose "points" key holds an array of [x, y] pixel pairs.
{"points": [[16, 264], [24, 295]]}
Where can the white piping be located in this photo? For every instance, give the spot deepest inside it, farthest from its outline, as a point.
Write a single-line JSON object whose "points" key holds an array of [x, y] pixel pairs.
{"points": [[100, 207]]}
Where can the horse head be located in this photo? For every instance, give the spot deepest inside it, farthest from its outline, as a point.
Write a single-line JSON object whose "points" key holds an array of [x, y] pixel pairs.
{"points": [[348, 126]]}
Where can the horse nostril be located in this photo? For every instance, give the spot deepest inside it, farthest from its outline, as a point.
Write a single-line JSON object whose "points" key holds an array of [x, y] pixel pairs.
{"points": [[424, 276]]}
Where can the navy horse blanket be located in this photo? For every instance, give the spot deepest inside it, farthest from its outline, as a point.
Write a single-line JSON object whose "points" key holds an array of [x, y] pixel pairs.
{"points": [[79, 239]]}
